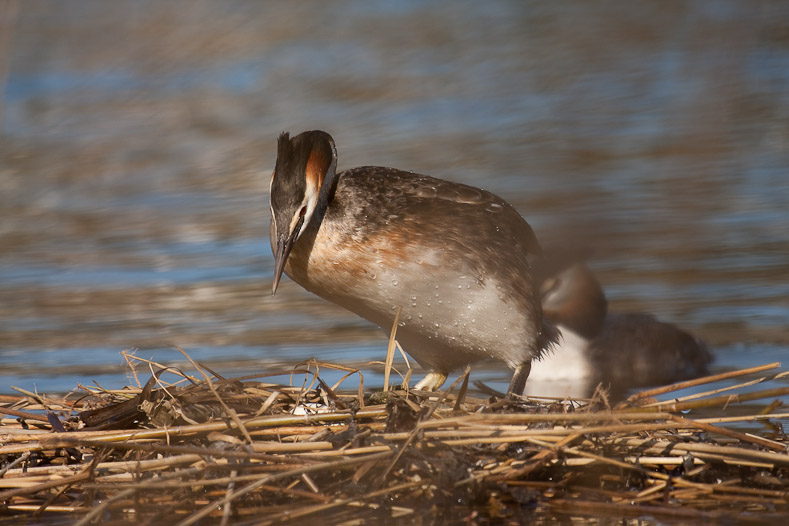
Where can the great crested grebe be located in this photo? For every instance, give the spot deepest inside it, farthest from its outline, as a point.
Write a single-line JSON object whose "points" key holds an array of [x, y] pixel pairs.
{"points": [[455, 259], [622, 349]]}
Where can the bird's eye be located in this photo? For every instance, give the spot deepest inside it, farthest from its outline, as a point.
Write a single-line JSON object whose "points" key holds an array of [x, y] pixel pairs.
{"points": [[303, 211]]}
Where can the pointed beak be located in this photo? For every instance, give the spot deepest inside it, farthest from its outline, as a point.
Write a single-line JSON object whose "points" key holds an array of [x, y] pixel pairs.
{"points": [[284, 245]]}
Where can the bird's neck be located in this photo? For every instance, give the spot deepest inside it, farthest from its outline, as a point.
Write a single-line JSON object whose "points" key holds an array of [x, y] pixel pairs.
{"points": [[297, 262], [325, 197]]}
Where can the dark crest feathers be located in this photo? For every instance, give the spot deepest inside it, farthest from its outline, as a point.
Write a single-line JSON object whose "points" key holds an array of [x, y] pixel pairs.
{"points": [[298, 148], [284, 147], [293, 154]]}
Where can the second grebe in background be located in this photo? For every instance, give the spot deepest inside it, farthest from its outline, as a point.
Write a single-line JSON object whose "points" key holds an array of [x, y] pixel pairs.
{"points": [[621, 349]]}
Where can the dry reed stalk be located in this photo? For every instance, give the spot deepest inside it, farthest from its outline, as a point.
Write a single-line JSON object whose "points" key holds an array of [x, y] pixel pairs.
{"points": [[125, 466], [27, 482], [734, 387], [346, 452], [717, 401], [506, 434], [52, 509], [661, 461], [529, 418], [742, 418], [652, 445], [23, 414], [53, 440], [699, 381], [729, 433]]}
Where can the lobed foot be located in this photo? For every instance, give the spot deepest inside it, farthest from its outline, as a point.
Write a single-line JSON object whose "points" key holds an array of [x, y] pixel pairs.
{"points": [[432, 381]]}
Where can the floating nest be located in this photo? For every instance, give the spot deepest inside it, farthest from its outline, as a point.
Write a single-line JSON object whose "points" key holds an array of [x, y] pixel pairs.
{"points": [[212, 450]]}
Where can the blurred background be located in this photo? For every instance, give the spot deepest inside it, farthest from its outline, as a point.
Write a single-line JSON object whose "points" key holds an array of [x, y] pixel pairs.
{"points": [[137, 138]]}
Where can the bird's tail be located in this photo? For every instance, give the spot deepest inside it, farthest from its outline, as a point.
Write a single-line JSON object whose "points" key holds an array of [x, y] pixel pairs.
{"points": [[549, 336]]}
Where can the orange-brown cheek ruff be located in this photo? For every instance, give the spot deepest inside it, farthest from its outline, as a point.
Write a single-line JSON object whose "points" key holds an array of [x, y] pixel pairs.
{"points": [[315, 171]]}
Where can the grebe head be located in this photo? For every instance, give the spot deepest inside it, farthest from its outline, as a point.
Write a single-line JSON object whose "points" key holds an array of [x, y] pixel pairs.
{"points": [[300, 185], [573, 298]]}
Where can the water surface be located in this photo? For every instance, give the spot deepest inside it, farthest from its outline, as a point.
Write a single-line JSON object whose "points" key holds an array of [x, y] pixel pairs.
{"points": [[138, 139]]}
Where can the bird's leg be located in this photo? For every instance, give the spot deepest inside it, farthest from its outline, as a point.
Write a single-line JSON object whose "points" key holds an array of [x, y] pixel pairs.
{"points": [[518, 382], [432, 381]]}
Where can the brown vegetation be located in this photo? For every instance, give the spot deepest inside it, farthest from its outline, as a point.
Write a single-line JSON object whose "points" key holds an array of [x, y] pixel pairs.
{"points": [[207, 450]]}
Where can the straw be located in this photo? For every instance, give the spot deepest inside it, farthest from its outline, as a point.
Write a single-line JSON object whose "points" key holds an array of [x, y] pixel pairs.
{"points": [[264, 453]]}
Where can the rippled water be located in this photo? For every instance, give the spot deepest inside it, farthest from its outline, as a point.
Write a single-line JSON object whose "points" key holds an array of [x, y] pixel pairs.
{"points": [[138, 139]]}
